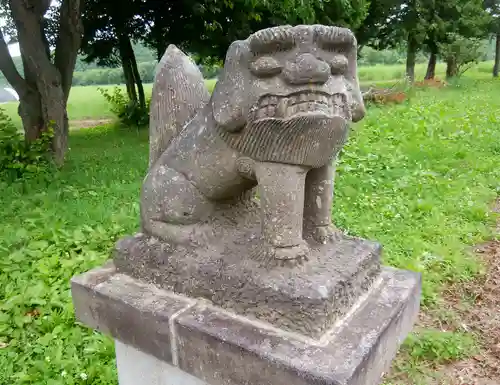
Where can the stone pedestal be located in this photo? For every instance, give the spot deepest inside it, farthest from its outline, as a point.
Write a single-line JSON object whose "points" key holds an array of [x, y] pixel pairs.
{"points": [[167, 338]]}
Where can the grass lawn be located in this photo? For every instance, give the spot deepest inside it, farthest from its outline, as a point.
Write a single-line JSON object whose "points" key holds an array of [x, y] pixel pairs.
{"points": [[86, 103], [418, 177]]}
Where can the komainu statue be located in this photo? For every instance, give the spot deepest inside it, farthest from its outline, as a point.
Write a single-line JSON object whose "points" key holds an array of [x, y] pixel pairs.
{"points": [[238, 274], [260, 152]]}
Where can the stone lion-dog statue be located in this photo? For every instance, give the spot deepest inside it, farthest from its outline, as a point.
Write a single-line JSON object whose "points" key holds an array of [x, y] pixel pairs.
{"points": [[273, 126]]}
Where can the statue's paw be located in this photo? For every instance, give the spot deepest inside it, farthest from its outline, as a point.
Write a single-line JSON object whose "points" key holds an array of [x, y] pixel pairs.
{"points": [[326, 234], [288, 256]]}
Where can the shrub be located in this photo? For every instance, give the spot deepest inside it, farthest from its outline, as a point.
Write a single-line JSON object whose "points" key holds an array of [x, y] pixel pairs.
{"points": [[19, 159], [128, 112], [460, 54]]}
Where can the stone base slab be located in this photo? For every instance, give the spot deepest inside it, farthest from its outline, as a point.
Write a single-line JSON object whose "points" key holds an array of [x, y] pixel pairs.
{"points": [[307, 299], [222, 348]]}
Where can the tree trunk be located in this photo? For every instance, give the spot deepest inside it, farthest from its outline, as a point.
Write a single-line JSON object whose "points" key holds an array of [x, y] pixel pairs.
{"points": [[30, 111], [410, 58], [138, 81], [68, 42], [451, 68], [496, 67], [130, 71], [30, 106], [53, 80], [431, 67], [129, 79], [161, 47]]}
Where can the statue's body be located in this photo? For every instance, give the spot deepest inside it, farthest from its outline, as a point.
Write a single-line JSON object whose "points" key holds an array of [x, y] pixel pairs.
{"points": [[277, 118]]}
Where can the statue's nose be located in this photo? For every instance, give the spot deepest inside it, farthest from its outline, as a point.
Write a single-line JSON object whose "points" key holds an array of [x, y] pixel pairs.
{"points": [[306, 68]]}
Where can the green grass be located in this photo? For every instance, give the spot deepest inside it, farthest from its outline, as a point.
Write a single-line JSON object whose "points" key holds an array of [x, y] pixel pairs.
{"points": [[86, 103], [417, 177], [381, 72]]}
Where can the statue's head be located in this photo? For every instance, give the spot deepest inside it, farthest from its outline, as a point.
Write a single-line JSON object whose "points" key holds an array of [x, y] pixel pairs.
{"points": [[281, 74]]}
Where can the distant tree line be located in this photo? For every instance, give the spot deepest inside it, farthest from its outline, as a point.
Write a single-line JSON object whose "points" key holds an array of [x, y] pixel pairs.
{"points": [[87, 74]]}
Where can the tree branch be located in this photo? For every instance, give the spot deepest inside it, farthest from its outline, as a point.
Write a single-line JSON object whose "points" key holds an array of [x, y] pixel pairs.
{"points": [[28, 19], [68, 41], [9, 69]]}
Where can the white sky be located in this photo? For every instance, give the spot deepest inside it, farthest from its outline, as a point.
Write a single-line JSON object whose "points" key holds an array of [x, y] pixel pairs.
{"points": [[14, 50]]}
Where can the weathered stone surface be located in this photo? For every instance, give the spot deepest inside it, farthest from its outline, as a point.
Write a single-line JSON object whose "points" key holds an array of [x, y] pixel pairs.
{"points": [[277, 119], [308, 299], [222, 348], [178, 93], [127, 309]]}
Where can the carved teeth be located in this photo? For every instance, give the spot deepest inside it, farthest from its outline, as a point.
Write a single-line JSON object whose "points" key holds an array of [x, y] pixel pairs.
{"points": [[337, 99], [261, 113], [284, 107]]}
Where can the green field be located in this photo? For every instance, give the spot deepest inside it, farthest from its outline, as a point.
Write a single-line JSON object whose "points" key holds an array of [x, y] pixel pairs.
{"points": [[418, 177], [87, 103]]}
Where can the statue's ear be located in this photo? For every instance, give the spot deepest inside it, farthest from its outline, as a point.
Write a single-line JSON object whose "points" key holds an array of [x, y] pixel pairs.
{"points": [[358, 105], [229, 96]]}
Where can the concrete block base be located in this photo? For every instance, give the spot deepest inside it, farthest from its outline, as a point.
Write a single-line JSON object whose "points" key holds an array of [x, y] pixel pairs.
{"points": [[138, 368], [192, 338]]}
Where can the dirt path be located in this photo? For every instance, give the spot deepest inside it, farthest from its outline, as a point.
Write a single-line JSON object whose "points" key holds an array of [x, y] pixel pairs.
{"points": [[479, 315], [482, 318], [87, 123]]}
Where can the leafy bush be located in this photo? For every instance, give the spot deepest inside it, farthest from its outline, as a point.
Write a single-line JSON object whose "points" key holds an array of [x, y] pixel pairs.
{"points": [[460, 54], [128, 112], [19, 159]]}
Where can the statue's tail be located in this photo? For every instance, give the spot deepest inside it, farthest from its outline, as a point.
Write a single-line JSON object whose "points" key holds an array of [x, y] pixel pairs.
{"points": [[179, 91]]}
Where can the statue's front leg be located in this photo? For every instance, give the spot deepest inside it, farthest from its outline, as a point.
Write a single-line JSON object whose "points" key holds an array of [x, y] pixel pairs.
{"points": [[318, 204], [281, 193]]}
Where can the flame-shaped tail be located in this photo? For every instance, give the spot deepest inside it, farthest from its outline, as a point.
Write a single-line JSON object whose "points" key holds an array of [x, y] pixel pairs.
{"points": [[179, 92]]}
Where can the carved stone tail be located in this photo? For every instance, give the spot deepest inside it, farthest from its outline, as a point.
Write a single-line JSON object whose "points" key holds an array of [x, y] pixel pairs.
{"points": [[179, 91]]}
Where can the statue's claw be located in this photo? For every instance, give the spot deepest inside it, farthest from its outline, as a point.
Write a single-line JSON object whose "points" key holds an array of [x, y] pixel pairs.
{"points": [[288, 256], [326, 234]]}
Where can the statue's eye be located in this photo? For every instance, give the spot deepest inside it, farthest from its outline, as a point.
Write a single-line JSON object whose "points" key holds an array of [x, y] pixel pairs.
{"points": [[339, 64], [265, 66]]}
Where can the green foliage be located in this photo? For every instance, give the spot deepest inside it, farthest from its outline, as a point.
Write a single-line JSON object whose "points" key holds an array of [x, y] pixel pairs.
{"points": [[19, 159], [401, 181], [48, 235], [103, 76], [461, 53], [128, 112], [439, 347], [370, 56], [426, 349]]}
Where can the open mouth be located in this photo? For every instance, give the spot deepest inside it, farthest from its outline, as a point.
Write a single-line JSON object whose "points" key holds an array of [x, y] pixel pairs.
{"points": [[300, 103]]}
